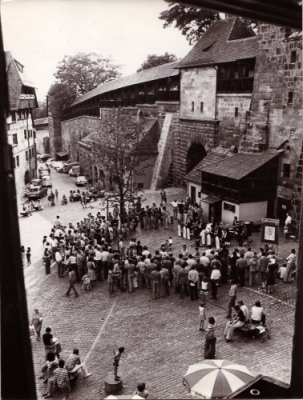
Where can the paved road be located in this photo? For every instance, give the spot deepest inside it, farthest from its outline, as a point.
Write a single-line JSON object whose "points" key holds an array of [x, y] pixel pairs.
{"points": [[161, 337]]}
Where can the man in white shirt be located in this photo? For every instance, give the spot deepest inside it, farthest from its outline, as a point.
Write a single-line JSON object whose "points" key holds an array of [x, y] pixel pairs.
{"points": [[193, 278], [174, 205], [214, 281], [104, 262], [245, 310], [97, 259], [58, 259], [57, 222]]}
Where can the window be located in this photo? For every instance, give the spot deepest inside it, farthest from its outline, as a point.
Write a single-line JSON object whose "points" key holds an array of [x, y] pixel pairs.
{"points": [[17, 161], [290, 98], [286, 170], [15, 138], [13, 114], [201, 106], [8, 127], [34, 133], [30, 133], [25, 134], [140, 185], [14, 162], [236, 111], [26, 155], [293, 56], [192, 106]]}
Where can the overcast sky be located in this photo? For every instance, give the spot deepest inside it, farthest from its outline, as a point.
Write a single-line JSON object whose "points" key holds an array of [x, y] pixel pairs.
{"points": [[39, 33]]}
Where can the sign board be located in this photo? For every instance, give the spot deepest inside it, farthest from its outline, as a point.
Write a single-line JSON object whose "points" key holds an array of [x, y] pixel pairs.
{"points": [[229, 207], [270, 231]]}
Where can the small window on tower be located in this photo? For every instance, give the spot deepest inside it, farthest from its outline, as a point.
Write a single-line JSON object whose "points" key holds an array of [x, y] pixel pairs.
{"points": [[293, 56], [286, 170], [201, 107], [192, 106], [236, 111], [290, 98]]}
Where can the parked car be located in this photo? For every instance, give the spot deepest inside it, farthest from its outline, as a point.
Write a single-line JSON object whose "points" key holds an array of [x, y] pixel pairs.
{"points": [[36, 192], [75, 170], [58, 165], [43, 173], [81, 181], [44, 157], [36, 182], [55, 164], [60, 168], [46, 181], [43, 167], [49, 161], [68, 166]]}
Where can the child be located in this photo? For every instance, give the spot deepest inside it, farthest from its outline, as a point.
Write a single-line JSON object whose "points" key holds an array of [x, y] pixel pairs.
{"points": [[204, 289], [170, 243], [202, 316], [86, 283], [28, 256]]}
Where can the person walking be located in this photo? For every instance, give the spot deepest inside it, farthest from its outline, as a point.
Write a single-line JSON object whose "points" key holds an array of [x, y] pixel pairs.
{"points": [[210, 340], [37, 319], [72, 281]]}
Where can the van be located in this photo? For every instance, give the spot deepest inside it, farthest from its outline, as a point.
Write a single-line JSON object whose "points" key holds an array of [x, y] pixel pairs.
{"points": [[75, 170], [68, 165]]}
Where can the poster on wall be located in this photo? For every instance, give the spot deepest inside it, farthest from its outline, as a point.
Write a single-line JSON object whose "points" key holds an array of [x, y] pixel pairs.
{"points": [[270, 231]]}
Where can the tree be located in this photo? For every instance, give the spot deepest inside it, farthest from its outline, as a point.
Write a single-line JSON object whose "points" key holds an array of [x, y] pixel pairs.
{"points": [[79, 74], [153, 61], [191, 21], [119, 150]]}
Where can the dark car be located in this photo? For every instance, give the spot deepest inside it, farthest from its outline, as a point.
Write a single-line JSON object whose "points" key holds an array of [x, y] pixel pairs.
{"points": [[36, 192]]}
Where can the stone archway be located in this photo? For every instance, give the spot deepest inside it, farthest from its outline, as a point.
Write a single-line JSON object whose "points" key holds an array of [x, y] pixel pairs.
{"points": [[26, 178], [195, 154]]}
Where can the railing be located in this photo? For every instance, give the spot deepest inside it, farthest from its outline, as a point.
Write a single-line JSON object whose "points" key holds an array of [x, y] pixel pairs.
{"points": [[235, 85]]}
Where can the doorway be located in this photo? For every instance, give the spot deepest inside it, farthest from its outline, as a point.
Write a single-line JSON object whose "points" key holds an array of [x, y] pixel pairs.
{"points": [[193, 194]]}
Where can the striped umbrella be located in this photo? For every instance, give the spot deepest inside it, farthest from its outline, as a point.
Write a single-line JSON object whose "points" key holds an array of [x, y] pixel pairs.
{"points": [[123, 396], [216, 378]]}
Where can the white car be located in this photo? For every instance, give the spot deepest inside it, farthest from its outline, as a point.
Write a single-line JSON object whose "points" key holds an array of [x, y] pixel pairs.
{"points": [[81, 181], [56, 164], [59, 165], [49, 161], [46, 181]]}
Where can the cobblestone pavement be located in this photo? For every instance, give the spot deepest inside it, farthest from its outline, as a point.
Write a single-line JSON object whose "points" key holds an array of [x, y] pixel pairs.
{"points": [[161, 336]]}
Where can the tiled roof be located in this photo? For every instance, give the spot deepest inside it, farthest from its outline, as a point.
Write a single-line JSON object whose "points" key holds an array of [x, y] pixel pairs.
{"points": [[240, 165], [152, 74], [215, 155], [225, 41], [41, 121]]}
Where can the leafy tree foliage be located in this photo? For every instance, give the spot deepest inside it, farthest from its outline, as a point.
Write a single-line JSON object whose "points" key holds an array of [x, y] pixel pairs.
{"points": [[79, 74], [119, 152], [153, 61], [191, 21]]}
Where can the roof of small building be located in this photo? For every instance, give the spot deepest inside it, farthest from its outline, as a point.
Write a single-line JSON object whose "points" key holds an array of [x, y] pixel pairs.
{"points": [[226, 40], [240, 165], [215, 155], [41, 121], [152, 74]]}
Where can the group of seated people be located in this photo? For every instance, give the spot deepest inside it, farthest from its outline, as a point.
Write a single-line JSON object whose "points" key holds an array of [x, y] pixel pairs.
{"points": [[242, 317], [56, 372]]}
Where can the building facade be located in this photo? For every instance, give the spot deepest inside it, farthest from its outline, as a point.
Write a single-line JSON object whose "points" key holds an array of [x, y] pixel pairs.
{"points": [[20, 127]]}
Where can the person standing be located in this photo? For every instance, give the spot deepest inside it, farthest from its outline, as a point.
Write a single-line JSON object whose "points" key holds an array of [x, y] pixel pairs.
{"points": [[72, 281], [232, 298], [214, 282], [23, 255], [47, 261], [253, 266], [156, 281], [290, 266], [130, 267], [117, 356], [193, 278], [165, 280], [98, 262], [56, 194], [58, 259], [262, 267], [241, 265], [174, 205], [182, 280], [28, 256], [37, 319], [210, 340], [202, 316]]}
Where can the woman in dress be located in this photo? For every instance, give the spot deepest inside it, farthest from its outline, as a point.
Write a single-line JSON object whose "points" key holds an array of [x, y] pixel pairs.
{"points": [[271, 271], [37, 322], [91, 267]]}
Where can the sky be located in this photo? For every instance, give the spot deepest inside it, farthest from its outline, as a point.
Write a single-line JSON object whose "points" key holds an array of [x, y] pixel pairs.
{"points": [[39, 33]]}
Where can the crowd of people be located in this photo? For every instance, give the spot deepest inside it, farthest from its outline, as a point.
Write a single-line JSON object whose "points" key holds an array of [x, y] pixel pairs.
{"points": [[98, 249]]}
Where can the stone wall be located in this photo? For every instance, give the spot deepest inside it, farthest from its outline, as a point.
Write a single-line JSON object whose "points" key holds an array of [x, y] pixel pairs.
{"points": [[40, 140], [275, 117], [297, 197], [187, 132], [76, 129], [231, 127], [198, 86]]}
